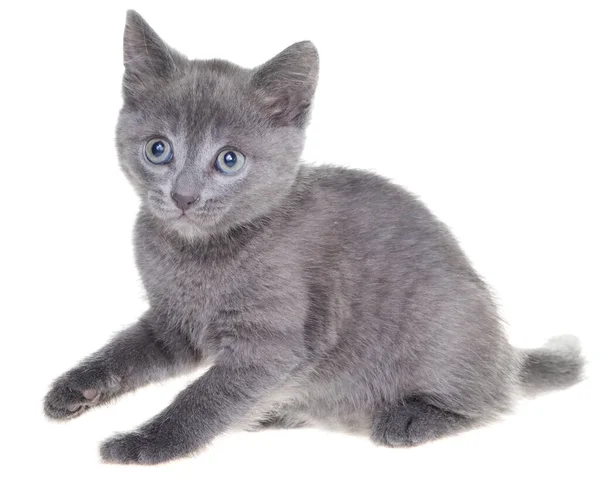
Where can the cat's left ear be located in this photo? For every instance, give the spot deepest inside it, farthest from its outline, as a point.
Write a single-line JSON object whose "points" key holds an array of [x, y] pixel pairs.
{"points": [[286, 84], [147, 58]]}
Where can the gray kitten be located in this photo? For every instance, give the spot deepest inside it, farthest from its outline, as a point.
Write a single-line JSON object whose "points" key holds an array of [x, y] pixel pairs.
{"points": [[319, 295]]}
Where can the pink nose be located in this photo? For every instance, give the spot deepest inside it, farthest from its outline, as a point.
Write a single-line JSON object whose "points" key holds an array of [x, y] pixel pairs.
{"points": [[183, 202]]}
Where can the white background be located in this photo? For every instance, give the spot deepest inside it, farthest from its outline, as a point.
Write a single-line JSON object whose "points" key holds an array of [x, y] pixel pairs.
{"points": [[490, 111]]}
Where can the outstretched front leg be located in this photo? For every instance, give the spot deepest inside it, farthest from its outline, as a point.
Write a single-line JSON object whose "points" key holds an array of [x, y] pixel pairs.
{"points": [[135, 357], [241, 378]]}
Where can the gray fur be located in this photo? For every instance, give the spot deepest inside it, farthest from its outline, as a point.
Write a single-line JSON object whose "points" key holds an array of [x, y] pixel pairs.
{"points": [[318, 295], [557, 365]]}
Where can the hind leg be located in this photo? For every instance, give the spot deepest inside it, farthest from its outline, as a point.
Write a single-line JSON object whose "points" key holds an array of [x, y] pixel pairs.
{"points": [[414, 421]]}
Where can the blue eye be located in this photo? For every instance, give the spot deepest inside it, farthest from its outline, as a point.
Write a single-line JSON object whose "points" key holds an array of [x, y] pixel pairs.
{"points": [[158, 151], [230, 162]]}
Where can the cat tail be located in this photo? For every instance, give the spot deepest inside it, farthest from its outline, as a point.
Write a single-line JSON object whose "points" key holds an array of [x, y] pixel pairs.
{"points": [[556, 365]]}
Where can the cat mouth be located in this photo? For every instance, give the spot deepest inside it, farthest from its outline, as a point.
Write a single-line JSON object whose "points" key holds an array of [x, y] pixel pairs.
{"points": [[197, 216], [192, 224], [200, 214]]}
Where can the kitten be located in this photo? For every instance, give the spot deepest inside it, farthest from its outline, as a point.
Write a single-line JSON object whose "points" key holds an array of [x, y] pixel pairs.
{"points": [[320, 295]]}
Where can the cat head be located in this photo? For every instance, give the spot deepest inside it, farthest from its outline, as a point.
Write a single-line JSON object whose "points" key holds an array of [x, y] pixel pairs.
{"points": [[209, 145]]}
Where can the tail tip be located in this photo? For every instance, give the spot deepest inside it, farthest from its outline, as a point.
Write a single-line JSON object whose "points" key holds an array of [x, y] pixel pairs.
{"points": [[557, 365], [566, 344]]}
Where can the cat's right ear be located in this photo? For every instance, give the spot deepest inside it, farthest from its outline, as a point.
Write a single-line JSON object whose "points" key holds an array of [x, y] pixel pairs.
{"points": [[146, 57]]}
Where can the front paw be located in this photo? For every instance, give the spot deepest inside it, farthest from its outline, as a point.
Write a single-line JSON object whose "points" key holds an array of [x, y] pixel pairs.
{"points": [[158, 441], [124, 449], [76, 392], [141, 447]]}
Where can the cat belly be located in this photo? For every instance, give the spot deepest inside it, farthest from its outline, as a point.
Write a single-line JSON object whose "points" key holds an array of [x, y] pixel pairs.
{"points": [[312, 405], [335, 399]]}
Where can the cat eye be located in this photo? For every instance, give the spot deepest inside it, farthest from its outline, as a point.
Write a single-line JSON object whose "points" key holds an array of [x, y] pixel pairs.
{"points": [[230, 162], [158, 151]]}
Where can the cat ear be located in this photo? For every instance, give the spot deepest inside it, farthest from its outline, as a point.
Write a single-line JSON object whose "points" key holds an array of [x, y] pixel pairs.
{"points": [[286, 84], [145, 56]]}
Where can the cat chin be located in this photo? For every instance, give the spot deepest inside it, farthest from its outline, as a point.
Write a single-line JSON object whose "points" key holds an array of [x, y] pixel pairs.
{"points": [[186, 228], [189, 229]]}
